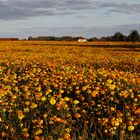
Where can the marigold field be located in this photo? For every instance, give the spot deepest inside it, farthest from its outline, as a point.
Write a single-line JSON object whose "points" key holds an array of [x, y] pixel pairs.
{"points": [[69, 90]]}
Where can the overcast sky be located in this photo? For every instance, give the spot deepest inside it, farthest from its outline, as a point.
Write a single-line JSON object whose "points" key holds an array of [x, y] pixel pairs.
{"points": [[88, 18]]}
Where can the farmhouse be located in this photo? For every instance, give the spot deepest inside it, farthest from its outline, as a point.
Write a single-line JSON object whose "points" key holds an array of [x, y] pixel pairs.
{"points": [[82, 40]]}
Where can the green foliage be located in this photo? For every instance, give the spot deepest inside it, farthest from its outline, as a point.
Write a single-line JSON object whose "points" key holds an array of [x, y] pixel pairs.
{"points": [[133, 36], [118, 36]]}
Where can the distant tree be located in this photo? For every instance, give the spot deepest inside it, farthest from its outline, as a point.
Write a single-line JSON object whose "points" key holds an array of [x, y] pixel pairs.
{"points": [[29, 38], [108, 38], [67, 38], [118, 36], [133, 36], [93, 39]]}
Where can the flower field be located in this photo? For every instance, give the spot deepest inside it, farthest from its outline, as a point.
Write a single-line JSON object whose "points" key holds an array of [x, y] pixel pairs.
{"points": [[59, 91]]}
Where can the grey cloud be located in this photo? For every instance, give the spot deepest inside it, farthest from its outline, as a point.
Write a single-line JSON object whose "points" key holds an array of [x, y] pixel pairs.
{"points": [[125, 8], [14, 9], [22, 9]]}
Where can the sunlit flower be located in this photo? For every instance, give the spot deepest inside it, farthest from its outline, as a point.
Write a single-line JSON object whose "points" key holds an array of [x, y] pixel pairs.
{"points": [[43, 98], [40, 122], [27, 103], [45, 115], [66, 98], [131, 128], [20, 114], [38, 132], [24, 129], [33, 105], [109, 81], [67, 136], [112, 86], [76, 102], [0, 119], [25, 135], [84, 88], [137, 111], [52, 101], [26, 109], [77, 115]]}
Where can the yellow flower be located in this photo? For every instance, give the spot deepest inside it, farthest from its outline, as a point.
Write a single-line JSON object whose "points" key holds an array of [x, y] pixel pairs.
{"points": [[0, 119], [46, 93], [67, 136], [14, 97], [60, 139], [112, 92], [40, 121], [68, 130], [45, 115], [33, 105], [76, 102], [66, 98], [52, 101], [112, 86], [26, 109], [24, 129], [116, 123], [94, 93], [84, 88], [43, 98], [38, 132], [112, 109], [137, 111], [132, 95], [20, 114], [109, 81], [61, 91], [77, 91], [27, 103], [39, 94], [131, 128], [105, 131], [39, 88]]}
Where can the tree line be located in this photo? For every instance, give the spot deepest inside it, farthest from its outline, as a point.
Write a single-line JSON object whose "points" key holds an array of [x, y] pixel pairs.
{"points": [[118, 36]]}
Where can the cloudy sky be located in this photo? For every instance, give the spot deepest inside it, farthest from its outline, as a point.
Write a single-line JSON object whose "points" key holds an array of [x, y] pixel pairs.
{"points": [[88, 18]]}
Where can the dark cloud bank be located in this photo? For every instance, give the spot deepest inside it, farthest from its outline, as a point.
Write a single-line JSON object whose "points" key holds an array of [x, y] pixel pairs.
{"points": [[17, 9]]}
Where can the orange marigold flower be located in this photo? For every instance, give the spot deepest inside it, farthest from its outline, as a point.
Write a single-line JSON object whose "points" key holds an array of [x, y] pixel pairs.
{"points": [[27, 103], [112, 86], [45, 115], [3, 134], [33, 105], [40, 122], [67, 136], [138, 81], [77, 115], [25, 135], [38, 132], [137, 111], [84, 88]]}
